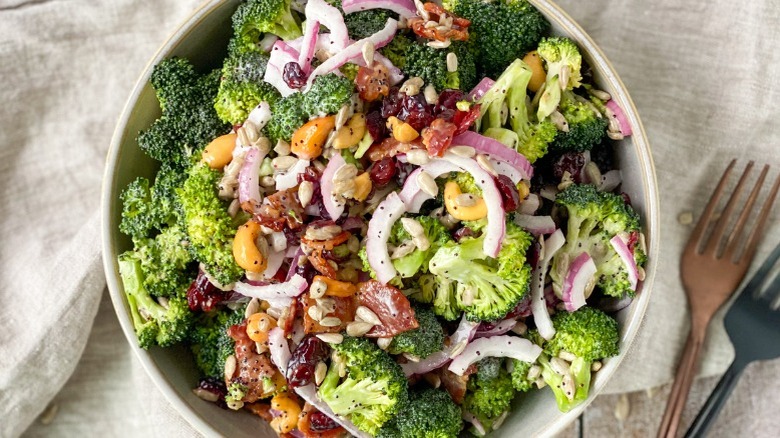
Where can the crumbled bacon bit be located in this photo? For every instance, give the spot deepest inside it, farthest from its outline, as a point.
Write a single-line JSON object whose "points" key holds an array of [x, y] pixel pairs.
{"points": [[458, 31], [373, 82], [438, 137]]}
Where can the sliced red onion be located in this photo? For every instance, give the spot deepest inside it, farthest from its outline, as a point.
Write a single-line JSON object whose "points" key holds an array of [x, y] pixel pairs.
{"points": [[290, 289], [530, 204], [411, 194], [499, 329], [404, 8], [482, 87], [610, 181], [281, 54], [471, 418], [309, 394], [387, 212], [333, 206], [267, 43], [536, 225], [294, 262], [354, 50], [538, 302], [260, 116], [331, 18], [275, 260], [496, 227], [289, 178], [298, 332], [352, 223], [621, 247], [549, 192], [249, 178], [464, 333], [504, 168], [495, 346], [490, 146], [278, 241], [309, 43], [280, 350], [625, 127], [581, 271]]}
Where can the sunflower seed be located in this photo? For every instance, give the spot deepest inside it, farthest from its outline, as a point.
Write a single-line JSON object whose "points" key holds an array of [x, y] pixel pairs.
{"points": [[520, 328], [359, 328], [368, 315], [566, 180], [421, 10], [343, 115], [500, 420], [305, 192], [622, 407], [430, 24], [485, 164], [567, 356], [452, 62], [417, 157], [559, 121], [458, 349], [615, 135], [263, 144], [243, 138], [433, 379], [383, 343], [431, 97], [540, 383], [163, 302], [283, 163], [595, 366], [412, 86], [267, 181], [640, 273], [322, 233], [368, 53], [593, 173], [600, 94], [252, 307], [318, 289], [273, 312], [403, 250], [330, 321], [427, 184], [421, 242], [411, 357], [563, 77], [534, 372], [467, 296], [230, 366], [412, 227], [439, 44], [346, 172], [331, 338], [319, 372], [328, 305], [342, 368], [567, 385], [465, 200], [315, 313], [282, 148], [463, 151], [559, 365], [206, 395]]}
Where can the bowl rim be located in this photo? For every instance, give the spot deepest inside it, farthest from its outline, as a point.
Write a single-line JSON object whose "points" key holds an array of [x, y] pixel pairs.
{"points": [[608, 75]]}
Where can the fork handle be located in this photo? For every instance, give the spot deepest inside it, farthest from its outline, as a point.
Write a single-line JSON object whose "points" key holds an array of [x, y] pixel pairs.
{"points": [[715, 402], [683, 379]]}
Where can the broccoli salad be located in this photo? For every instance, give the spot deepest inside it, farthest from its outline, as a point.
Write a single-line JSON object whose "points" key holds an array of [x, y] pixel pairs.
{"points": [[383, 218]]}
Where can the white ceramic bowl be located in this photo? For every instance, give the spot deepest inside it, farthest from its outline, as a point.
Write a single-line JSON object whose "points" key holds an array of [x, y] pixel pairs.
{"points": [[203, 38]]}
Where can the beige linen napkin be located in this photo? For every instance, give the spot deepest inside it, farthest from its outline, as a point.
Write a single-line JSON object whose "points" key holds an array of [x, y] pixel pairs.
{"points": [[701, 73]]}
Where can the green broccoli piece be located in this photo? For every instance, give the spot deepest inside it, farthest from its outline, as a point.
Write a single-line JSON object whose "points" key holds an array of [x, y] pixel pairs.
{"points": [[423, 341], [242, 87], [154, 323], [430, 64], [558, 53], [489, 368], [487, 289], [138, 216], [188, 121], [441, 292], [236, 391], [328, 93], [254, 18], [520, 375], [593, 219], [287, 115], [529, 137], [487, 399], [363, 24], [502, 31], [209, 227], [166, 262], [586, 126], [590, 335], [373, 390], [210, 343], [430, 413]]}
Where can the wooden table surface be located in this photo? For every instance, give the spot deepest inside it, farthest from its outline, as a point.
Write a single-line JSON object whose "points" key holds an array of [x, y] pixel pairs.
{"points": [[752, 411]]}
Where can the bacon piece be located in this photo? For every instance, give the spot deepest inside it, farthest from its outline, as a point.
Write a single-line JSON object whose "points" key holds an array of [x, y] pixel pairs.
{"points": [[438, 137], [251, 368], [391, 147], [373, 82], [390, 305]]}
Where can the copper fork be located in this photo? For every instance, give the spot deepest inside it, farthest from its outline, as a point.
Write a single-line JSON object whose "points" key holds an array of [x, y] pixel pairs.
{"points": [[712, 266]]}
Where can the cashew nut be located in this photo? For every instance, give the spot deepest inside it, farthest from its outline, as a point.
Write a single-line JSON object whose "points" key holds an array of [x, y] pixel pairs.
{"points": [[471, 213], [350, 134], [219, 152], [245, 250]]}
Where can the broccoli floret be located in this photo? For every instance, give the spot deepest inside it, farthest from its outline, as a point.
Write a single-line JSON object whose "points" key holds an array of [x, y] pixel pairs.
{"points": [[489, 367], [590, 335], [363, 24], [560, 52], [593, 219], [210, 343], [209, 227], [189, 121], [138, 216], [423, 341], [154, 323], [586, 127], [441, 293], [373, 390], [242, 87], [166, 262], [287, 115], [502, 31], [236, 391], [489, 398], [257, 17], [327, 95], [527, 136], [487, 289], [430, 413], [417, 59], [520, 375]]}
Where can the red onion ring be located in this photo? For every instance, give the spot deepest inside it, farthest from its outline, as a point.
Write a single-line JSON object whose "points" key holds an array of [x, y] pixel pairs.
{"points": [[295, 286], [538, 302], [463, 334], [497, 149], [622, 249], [280, 350], [581, 271], [625, 127], [404, 8], [387, 212], [482, 87], [536, 225], [332, 206], [495, 346], [249, 178]]}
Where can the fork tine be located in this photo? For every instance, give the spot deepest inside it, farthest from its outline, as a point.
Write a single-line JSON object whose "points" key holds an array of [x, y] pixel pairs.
{"points": [[725, 215], [704, 220], [758, 228], [732, 243]]}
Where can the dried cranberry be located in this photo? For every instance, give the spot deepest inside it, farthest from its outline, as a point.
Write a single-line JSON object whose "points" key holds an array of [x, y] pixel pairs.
{"points": [[202, 295], [571, 162], [420, 119], [416, 112], [391, 104], [462, 233], [464, 119], [293, 236], [306, 270], [216, 387], [626, 198], [382, 172], [448, 99], [293, 75], [402, 171], [438, 137], [522, 310], [304, 359], [447, 114], [372, 82], [319, 422], [509, 194], [376, 126], [633, 239]]}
